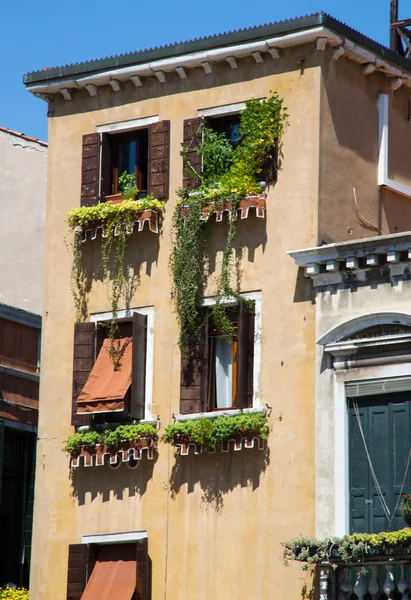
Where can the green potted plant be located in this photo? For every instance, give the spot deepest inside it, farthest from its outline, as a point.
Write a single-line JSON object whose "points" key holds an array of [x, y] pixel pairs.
{"points": [[127, 189], [406, 508]]}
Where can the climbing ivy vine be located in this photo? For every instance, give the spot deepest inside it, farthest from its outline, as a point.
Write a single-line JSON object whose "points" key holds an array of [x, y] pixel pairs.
{"points": [[117, 221], [229, 173]]}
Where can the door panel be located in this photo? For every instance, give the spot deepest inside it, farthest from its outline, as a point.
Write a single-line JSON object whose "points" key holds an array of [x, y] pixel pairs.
{"points": [[385, 421]]}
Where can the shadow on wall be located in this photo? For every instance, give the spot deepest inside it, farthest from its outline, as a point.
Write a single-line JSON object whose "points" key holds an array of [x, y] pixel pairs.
{"points": [[142, 249], [250, 234], [105, 481], [219, 473]]}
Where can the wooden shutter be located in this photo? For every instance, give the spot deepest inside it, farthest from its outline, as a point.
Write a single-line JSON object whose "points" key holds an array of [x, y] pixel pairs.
{"points": [[244, 396], [106, 179], [158, 159], [193, 383], [191, 141], [77, 571], [90, 170], [138, 381], [269, 171], [142, 575], [84, 340]]}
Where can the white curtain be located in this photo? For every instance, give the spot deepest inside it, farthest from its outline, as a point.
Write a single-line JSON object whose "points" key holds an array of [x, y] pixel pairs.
{"points": [[223, 373]]}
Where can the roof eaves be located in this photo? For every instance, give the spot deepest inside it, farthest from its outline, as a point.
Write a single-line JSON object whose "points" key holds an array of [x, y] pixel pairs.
{"points": [[180, 48]]}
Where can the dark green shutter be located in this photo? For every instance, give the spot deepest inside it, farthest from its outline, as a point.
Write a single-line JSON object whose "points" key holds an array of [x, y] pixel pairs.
{"points": [[386, 423]]}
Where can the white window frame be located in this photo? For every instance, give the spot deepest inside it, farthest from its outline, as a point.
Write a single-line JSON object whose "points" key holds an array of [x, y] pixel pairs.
{"points": [[124, 126], [224, 110], [256, 297], [126, 315], [114, 538]]}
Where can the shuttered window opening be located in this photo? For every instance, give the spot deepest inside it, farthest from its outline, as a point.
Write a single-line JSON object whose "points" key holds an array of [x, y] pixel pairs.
{"points": [[114, 574], [217, 374], [144, 153], [97, 387], [229, 125], [106, 387], [103, 572]]}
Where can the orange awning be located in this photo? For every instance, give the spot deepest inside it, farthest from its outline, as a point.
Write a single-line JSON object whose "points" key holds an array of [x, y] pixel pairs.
{"points": [[114, 575], [105, 388]]}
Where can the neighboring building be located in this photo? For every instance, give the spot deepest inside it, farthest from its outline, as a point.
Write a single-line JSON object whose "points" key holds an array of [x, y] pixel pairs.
{"points": [[23, 179], [215, 522], [23, 197]]}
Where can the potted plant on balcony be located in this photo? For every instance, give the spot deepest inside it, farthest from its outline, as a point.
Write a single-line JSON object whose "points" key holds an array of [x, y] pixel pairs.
{"points": [[406, 508], [127, 189], [128, 439], [229, 181]]}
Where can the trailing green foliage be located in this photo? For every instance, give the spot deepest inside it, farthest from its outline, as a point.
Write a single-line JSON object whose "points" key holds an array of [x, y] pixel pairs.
{"points": [[118, 222], [18, 593], [350, 548], [229, 173], [406, 506], [209, 432], [111, 438]]}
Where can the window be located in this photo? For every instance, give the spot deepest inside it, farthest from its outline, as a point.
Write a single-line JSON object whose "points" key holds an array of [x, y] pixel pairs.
{"points": [[100, 571], [222, 366], [131, 148], [99, 391], [217, 374], [223, 119], [130, 155], [229, 125]]}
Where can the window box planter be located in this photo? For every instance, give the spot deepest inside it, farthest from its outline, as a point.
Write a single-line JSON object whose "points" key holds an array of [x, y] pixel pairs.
{"points": [[115, 198], [94, 456], [185, 443], [225, 433], [257, 203], [149, 216]]}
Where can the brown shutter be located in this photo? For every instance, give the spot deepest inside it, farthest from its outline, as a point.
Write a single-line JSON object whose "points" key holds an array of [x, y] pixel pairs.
{"points": [[90, 169], [84, 340], [191, 142], [106, 184], [138, 381], [158, 159], [245, 351], [193, 382], [269, 171], [142, 575], [81, 561]]}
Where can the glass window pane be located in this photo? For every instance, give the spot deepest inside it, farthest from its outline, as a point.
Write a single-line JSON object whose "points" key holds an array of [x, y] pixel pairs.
{"points": [[224, 373]]}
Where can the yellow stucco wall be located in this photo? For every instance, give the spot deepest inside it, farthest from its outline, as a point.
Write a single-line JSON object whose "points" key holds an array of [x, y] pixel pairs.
{"points": [[214, 522]]}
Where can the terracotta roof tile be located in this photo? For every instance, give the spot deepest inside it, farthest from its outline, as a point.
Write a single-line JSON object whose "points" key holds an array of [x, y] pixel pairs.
{"points": [[23, 137]]}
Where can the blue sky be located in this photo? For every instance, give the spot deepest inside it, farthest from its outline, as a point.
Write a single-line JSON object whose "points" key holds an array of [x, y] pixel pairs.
{"points": [[44, 33]]}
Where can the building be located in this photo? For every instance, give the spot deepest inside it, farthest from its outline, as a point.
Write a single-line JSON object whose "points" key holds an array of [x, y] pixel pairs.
{"points": [[203, 524], [23, 177]]}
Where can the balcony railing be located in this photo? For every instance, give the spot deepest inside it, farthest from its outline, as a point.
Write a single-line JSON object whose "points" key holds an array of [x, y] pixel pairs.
{"points": [[381, 578]]}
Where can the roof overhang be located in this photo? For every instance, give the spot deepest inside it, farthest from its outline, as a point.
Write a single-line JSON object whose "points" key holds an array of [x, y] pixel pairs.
{"points": [[66, 80]]}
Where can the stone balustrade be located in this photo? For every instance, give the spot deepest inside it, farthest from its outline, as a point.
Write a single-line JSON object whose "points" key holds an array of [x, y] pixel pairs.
{"points": [[375, 580]]}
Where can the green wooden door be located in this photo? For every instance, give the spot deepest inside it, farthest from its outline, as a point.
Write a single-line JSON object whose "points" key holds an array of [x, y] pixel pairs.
{"points": [[386, 425]]}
